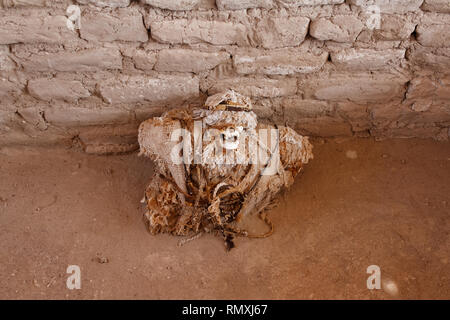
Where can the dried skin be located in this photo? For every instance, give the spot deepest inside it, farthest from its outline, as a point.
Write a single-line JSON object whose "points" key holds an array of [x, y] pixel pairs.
{"points": [[215, 194]]}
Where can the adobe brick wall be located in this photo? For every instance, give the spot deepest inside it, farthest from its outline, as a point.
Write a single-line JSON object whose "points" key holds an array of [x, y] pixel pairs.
{"points": [[316, 65]]}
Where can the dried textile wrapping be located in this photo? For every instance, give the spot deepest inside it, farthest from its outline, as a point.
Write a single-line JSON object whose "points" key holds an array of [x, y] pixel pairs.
{"points": [[216, 166]]}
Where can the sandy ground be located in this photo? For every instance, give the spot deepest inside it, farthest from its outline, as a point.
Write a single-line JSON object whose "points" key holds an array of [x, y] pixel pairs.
{"points": [[358, 203]]}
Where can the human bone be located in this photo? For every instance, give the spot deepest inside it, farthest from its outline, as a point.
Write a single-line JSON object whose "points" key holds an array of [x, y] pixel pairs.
{"points": [[217, 166]]}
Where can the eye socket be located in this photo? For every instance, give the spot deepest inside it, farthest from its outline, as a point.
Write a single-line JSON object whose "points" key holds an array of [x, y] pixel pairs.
{"points": [[232, 138]]}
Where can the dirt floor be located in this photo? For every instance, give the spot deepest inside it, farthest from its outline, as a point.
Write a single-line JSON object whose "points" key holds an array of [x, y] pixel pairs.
{"points": [[358, 203]]}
